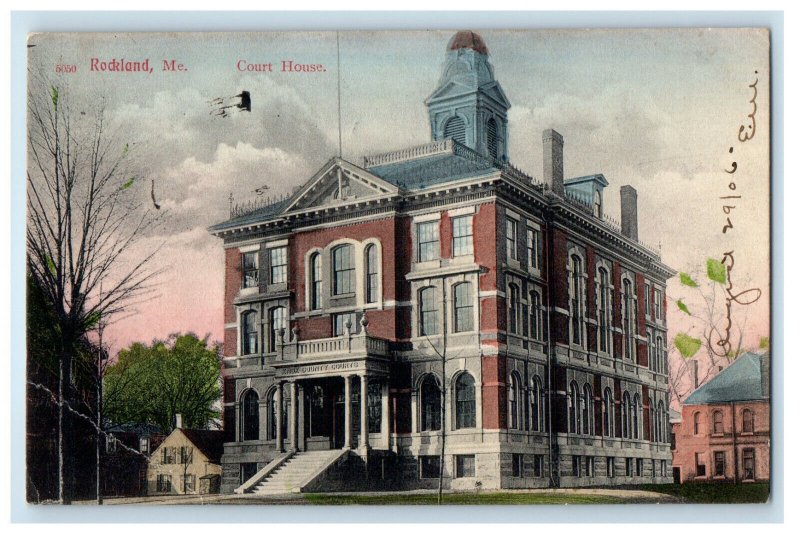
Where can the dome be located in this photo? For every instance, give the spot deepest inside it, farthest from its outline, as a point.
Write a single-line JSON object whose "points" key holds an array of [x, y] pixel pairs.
{"points": [[468, 39]]}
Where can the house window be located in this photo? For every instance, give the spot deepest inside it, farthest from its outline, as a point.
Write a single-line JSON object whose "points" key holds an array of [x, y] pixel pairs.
{"points": [[647, 300], [247, 471], [465, 401], [111, 443], [249, 333], [534, 261], [465, 465], [429, 466], [661, 363], [374, 406], [538, 465], [696, 421], [537, 411], [371, 256], [462, 236], [517, 465], [144, 445], [535, 316], [511, 239], [574, 408], [748, 423], [428, 241], [590, 466], [427, 312], [316, 281], [277, 265], [576, 301], [431, 405], [719, 464], [597, 206], [491, 138], [250, 269], [608, 412], [249, 411], [587, 409], [699, 465], [628, 467], [164, 483], [514, 394], [610, 467], [628, 320], [189, 484], [626, 416], [344, 270], [748, 464], [717, 421], [604, 312], [576, 466], [168, 455], [639, 467], [660, 423], [636, 409], [341, 321], [513, 309], [659, 302], [462, 307], [277, 321]]}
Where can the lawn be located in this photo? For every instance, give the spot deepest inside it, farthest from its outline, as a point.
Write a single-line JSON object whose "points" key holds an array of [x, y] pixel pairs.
{"points": [[463, 498], [713, 493]]}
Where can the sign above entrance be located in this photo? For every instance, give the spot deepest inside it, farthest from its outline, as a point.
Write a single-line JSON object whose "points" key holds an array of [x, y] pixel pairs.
{"points": [[332, 369]]}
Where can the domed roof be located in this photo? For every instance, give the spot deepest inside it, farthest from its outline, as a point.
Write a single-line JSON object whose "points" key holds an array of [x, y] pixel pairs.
{"points": [[468, 39]]}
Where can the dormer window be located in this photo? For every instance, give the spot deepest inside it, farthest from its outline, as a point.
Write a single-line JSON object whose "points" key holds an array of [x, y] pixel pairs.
{"points": [[597, 206]]}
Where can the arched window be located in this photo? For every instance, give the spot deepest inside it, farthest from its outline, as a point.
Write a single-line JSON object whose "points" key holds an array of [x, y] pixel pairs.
{"points": [[576, 300], [696, 421], [608, 412], [491, 138], [462, 307], [315, 266], [513, 308], [717, 419], [272, 413], [371, 257], [465, 401], [604, 311], [748, 421], [249, 333], [574, 408], [431, 412], [660, 359], [277, 321], [635, 419], [535, 316], [537, 406], [626, 415], [514, 404], [455, 129], [344, 270], [427, 311], [661, 428], [628, 320], [249, 416], [587, 409]]}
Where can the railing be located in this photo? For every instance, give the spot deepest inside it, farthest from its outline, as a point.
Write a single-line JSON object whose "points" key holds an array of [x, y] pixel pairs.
{"points": [[247, 207], [430, 149], [334, 346]]}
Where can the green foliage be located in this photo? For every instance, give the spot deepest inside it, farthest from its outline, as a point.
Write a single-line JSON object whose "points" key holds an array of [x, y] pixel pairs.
{"points": [[682, 307], [54, 95], [716, 271], [150, 384], [763, 343], [51, 266], [687, 280], [687, 345], [129, 183]]}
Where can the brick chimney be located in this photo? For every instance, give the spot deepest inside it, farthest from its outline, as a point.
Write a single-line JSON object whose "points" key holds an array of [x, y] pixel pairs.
{"points": [[553, 145], [629, 219], [178, 420]]}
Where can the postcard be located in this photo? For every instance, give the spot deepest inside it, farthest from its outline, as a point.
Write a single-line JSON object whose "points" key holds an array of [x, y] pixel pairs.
{"points": [[398, 267]]}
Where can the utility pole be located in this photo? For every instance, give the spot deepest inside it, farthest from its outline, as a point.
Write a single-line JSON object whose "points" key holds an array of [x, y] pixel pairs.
{"points": [[99, 440]]}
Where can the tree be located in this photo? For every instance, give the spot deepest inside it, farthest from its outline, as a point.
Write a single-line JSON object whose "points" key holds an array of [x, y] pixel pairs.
{"points": [[152, 384], [83, 217]]}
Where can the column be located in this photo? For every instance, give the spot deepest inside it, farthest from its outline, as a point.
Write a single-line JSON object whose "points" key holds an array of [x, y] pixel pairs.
{"points": [[279, 417], [385, 415], [301, 418], [347, 416], [364, 437], [293, 415]]}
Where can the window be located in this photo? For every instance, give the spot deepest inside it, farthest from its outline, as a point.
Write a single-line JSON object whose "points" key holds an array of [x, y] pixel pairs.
{"points": [[748, 464], [636, 409], [537, 408], [610, 467], [696, 420], [111, 443], [144, 445], [187, 455], [587, 409], [626, 416], [576, 466], [427, 312], [344, 270], [511, 239], [700, 464], [590, 466], [164, 483], [660, 423], [628, 320], [465, 401], [576, 300], [272, 414], [277, 321], [608, 412], [748, 423], [639, 467], [250, 269], [517, 465], [659, 302], [431, 405], [343, 321], [374, 406], [316, 281], [514, 395], [465, 466], [189, 483], [462, 236], [574, 408], [534, 261], [647, 291], [538, 465], [277, 265], [429, 466], [247, 471], [491, 138], [719, 464], [717, 421], [597, 207], [371, 256], [628, 467], [663, 468], [249, 411], [168, 455], [604, 312], [513, 309], [455, 129], [462, 307], [428, 241], [661, 362], [535, 316], [249, 333]]}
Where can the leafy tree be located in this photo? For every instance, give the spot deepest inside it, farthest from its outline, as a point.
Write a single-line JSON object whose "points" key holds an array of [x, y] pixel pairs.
{"points": [[151, 384]]}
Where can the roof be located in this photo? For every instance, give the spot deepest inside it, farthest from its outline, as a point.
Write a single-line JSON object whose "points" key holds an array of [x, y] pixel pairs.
{"points": [[599, 178], [253, 216], [433, 170], [141, 430], [468, 39], [747, 378], [209, 442]]}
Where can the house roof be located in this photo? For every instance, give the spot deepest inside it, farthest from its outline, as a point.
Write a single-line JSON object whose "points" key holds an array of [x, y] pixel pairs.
{"points": [[209, 442], [254, 216], [747, 378], [433, 170]]}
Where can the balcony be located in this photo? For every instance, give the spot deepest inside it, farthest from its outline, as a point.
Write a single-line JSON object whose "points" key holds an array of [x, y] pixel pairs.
{"points": [[333, 347]]}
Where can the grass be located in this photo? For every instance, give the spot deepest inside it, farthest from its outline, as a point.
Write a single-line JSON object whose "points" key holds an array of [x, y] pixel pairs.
{"points": [[463, 498], [713, 493]]}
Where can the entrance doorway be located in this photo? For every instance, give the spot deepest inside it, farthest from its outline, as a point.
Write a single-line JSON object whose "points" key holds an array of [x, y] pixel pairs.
{"points": [[324, 414]]}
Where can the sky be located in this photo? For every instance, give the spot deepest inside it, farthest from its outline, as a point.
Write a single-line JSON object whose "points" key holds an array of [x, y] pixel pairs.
{"points": [[656, 109]]}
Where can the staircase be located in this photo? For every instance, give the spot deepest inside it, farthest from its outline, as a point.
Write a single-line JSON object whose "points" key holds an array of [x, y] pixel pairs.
{"points": [[297, 471]]}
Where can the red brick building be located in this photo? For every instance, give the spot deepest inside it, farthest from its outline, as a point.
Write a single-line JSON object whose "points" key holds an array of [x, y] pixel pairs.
{"points": [[724, 433], [439, 289]]}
